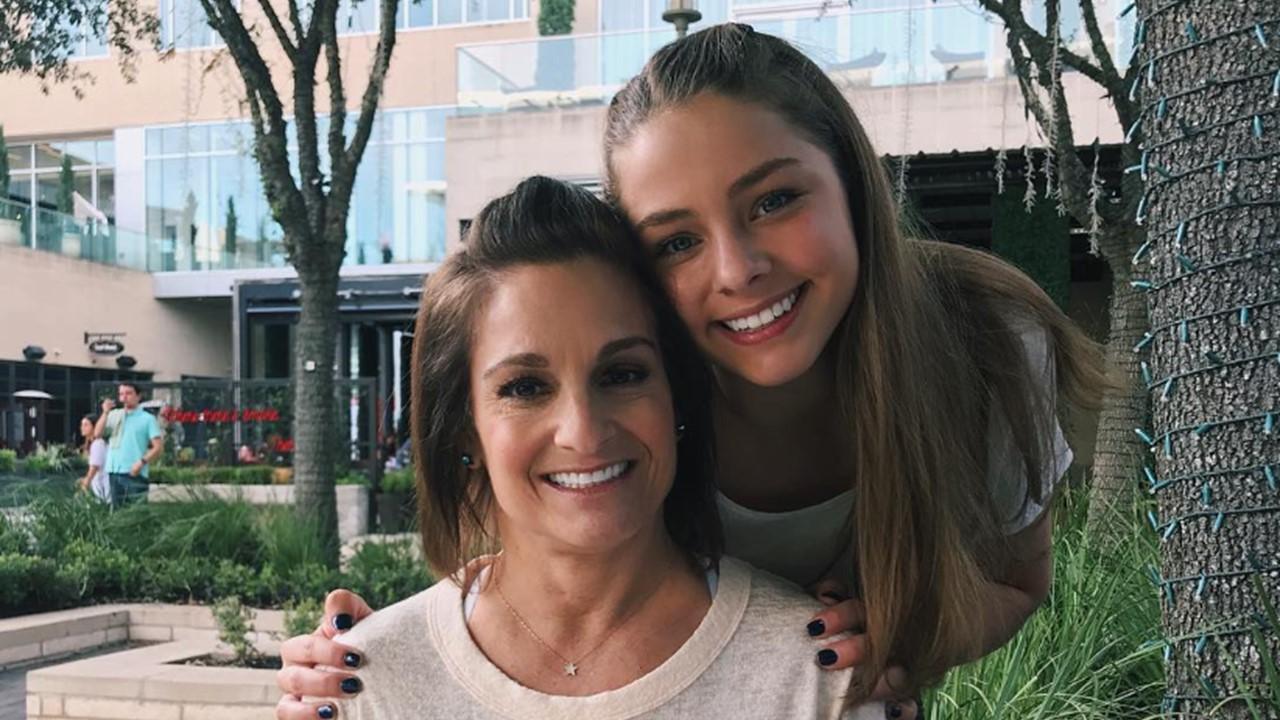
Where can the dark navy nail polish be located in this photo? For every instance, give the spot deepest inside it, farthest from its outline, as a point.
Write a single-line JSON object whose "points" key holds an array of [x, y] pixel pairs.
{"points": [[343, 621], [816, 628], [827, 657], [893, 710], [351, 686], [326, 712], [351, 660]]}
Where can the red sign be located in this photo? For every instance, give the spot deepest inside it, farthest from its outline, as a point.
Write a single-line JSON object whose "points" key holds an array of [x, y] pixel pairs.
{"points": [[219, 415]]}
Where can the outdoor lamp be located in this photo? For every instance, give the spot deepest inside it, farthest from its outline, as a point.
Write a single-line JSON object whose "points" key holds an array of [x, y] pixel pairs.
{"points": [[33, 353], [681, 13], [126, 361]]}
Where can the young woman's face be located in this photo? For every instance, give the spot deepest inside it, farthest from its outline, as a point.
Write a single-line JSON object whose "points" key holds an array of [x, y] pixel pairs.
{"points": [[572, 407], [750, 229], [86, 427]]}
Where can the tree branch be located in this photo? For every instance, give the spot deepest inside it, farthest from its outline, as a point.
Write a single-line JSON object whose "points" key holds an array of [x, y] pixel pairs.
{"points": [[369, 101], [1037, 44], [281, 34], [270, 142], [337, 95], [1114, 83]]}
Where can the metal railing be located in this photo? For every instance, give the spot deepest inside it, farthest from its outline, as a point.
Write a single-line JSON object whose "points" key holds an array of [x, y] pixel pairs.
{"points": [[61, 234]]}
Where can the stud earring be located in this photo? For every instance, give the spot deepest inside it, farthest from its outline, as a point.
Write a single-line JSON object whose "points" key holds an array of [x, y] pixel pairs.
{"points": [[680, 431], [467, 460]]}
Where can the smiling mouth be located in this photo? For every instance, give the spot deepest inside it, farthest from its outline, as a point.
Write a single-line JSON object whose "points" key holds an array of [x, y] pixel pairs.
{"points": [[590, 479], [766, 317]]}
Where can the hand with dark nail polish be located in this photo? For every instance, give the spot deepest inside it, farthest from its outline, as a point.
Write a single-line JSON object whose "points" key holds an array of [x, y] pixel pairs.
{"points": [[351, 660], [326, 712], [351, 685], [827, 657], [816, 628], [343, 621]]}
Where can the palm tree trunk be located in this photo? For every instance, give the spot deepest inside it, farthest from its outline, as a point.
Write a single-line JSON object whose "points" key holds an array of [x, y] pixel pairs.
{"points": [[1212, 144]]}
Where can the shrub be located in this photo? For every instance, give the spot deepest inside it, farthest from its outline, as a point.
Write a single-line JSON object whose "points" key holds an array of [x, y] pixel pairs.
{"points": [[99, 571], [301, 617], [235, 623], [28, 582], [398, 481], [14, 539], [57, 522], [287, 539], [385, 573], [353, 478], [201, 527], [218, 475], [8, 461]]}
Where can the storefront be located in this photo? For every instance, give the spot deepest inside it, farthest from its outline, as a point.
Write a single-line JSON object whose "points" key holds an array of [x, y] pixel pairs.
{"points": [[41, 403]]}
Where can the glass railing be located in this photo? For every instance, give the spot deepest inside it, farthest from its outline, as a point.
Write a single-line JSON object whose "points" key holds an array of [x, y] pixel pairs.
{"points": [[939, 42], [62, 234]]}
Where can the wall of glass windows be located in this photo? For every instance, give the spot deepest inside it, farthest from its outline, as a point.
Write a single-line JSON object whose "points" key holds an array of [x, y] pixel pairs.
{"points": [[868, 43], [206, 208]]}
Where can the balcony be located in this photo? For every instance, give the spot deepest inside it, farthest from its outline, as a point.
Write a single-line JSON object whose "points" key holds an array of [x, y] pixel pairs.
{"points": [[54, 232], [940, 42]]}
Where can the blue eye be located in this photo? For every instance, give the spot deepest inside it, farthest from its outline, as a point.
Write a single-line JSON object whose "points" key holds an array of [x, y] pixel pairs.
{"points": [[775, 201], [677, 244], [521, 388]]}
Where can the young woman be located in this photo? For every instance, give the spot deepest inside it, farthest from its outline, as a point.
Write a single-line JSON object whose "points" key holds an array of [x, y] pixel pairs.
{"points": [[94, 449], [563, 415], [885, 408]]}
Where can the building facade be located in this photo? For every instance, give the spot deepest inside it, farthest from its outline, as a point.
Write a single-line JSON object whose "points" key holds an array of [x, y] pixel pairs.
{"points": [[166, 243]]}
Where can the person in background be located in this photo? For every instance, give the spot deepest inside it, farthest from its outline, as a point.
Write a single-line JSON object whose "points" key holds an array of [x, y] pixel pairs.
{"points": [[94, 449], [134, 440]]}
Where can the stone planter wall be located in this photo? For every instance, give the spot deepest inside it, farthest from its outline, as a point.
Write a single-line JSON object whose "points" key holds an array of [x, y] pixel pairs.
{"points": [[144, 683], [352, 500]]}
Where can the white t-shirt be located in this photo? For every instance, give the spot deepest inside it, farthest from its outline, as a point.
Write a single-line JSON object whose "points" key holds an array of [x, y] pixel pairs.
{"points": [[748, 658], [101, 484], [806, 545]]}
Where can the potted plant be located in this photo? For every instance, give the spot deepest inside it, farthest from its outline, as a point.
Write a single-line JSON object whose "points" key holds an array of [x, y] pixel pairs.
{"points": [[66, 206], [10, 213], [395, 501]]}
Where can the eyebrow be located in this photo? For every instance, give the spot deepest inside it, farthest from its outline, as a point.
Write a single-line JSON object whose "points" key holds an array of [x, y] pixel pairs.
{"points": [[749, 178], [536, 361]]}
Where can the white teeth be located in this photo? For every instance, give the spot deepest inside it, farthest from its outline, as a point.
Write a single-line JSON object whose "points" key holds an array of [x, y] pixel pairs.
{"points": [[582, 480], [764, 317]]}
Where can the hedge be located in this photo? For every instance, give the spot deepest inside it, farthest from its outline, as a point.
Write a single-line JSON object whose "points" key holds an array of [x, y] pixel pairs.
{"points": [[215, 475]]}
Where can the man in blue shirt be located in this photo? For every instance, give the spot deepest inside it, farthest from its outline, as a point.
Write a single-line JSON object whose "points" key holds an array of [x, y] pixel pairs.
{"points": [[133, 439]]}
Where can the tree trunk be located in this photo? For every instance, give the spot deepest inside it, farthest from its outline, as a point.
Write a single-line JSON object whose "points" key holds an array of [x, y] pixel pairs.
{"points": [[1213, 143], [1118, 453], [315, 401]]}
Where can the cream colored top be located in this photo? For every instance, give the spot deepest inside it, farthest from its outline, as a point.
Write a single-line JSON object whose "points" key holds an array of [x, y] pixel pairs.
{"points": [[748, 658]]}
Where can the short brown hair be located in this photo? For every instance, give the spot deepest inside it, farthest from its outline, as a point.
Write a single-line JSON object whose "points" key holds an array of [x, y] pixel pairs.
{"points": [[542, 221]]}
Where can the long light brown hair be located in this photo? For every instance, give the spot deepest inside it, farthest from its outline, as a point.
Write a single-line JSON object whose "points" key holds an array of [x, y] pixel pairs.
{"points": [[926, 355]]}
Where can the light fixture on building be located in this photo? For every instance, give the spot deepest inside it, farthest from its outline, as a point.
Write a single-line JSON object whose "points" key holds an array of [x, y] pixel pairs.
{"points": [[33, 353], [682, 14], [126, 361]]}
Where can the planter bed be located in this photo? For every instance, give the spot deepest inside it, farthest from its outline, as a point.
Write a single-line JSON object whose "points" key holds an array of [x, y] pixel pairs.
{"points": [[352, 500]]}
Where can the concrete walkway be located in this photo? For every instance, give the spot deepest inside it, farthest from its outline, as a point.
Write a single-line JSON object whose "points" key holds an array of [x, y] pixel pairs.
{"points": [[13, 694]]}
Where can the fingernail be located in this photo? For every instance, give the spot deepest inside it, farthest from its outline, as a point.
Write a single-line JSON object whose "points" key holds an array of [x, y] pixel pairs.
{"points": [[343, 621], [816, 628], [351, 660], [351, 686], [326, 712], [893, 710], [827, 657], [835, 596]]}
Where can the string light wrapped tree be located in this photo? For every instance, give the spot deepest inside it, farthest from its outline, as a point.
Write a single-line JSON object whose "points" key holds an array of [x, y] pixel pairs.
{"points": [[1209, 87]]}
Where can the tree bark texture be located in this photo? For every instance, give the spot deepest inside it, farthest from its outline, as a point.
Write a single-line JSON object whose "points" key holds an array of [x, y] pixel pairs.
{"points": [[1119, 452], [1211, 157]]}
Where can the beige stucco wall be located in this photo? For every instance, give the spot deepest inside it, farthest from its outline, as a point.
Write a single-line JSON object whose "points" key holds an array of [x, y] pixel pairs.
{"points": [[203, 85], [51, 301], [487, 155]]}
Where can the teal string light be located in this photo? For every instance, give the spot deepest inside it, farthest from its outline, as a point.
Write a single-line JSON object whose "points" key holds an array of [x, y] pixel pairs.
{"points": [[1257, 126], [1146, 339], [1206, 495], [1271, 479], [1217, 521], [1142, 434], [1168, 447], [1168, 388], [1192, 35], [1186, 263], [1151, 475], [1141, 284], [1261, 34], [1146, 372], [1244, 316], [1184, 332], [1142, 250], [1201, 644]]}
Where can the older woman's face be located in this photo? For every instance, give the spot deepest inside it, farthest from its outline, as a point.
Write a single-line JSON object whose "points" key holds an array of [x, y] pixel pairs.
{"points": [[572, 407]]}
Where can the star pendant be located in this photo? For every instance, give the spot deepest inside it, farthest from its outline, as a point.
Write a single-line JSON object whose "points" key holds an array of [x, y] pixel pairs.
{"points": [[570, 669]]}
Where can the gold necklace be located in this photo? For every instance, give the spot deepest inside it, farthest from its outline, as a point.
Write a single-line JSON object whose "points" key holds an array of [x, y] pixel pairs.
{"points": [[570, 667]]}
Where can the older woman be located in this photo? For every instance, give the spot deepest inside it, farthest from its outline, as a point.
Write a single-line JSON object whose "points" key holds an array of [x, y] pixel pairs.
{"points": [[561, 415]]}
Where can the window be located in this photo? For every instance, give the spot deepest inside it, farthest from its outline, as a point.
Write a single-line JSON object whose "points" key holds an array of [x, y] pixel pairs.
{"points": [[624, 15], [183, 25], [432, 13]]}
